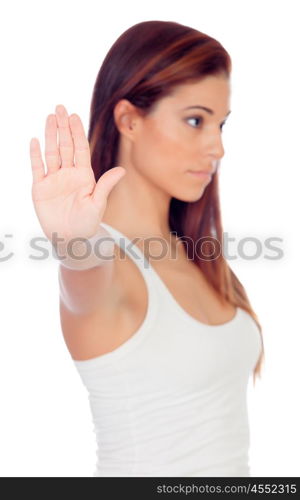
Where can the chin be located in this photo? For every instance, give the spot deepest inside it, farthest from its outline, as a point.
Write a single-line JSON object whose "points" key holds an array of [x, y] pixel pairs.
{"points": [[190, 197]]}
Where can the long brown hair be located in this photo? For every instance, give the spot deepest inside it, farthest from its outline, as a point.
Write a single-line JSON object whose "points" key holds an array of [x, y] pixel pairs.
{"points": [[144, 65]]}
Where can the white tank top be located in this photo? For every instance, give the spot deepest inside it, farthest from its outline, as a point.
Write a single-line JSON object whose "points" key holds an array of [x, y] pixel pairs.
{"points": [[172, 399]]}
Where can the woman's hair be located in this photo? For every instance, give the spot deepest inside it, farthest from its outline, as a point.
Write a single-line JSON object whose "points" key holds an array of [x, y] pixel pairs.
{"points": [[144, 65]]}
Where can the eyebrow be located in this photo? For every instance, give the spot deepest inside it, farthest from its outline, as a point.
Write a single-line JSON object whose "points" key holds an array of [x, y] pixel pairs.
{"points": [[205, 109]]}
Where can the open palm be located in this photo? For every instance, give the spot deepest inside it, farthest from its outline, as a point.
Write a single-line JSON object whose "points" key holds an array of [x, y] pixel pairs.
{"points": [[67, 200]]}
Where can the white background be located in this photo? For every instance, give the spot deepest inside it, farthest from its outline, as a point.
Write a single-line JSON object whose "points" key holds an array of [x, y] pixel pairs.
{"points": [[50, 54]]}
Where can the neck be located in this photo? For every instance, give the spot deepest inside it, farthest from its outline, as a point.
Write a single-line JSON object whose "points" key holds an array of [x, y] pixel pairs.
{"points": [[137, 207]]}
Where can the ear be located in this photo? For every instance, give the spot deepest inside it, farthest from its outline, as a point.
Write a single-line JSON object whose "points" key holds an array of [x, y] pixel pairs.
{"points": [[125, 116]]}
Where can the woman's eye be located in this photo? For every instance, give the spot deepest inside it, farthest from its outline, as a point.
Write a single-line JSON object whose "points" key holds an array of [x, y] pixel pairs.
{"points": [[195, 118]]}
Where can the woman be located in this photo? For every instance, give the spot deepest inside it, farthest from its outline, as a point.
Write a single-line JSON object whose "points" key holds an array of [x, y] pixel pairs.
{"points": [[159, 327]]}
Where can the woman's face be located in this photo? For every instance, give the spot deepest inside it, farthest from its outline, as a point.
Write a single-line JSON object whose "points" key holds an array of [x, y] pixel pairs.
{"points": [[172, 141]]}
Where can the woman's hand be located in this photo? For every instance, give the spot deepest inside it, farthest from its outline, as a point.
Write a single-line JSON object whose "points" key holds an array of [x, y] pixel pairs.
{"points": [[67, 200]]}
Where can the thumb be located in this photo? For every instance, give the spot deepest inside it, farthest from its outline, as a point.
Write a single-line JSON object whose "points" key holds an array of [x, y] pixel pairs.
{"points": [[106, 183]]}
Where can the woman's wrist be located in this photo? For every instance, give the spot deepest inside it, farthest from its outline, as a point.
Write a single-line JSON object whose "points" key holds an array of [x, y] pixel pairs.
{"points": [[85, 253]]}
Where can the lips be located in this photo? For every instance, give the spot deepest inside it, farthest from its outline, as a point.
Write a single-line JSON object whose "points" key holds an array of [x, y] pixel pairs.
{"points": [[210, 168], [201, 172]]}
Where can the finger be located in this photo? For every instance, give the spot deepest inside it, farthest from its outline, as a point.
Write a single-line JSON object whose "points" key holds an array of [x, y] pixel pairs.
{"points": [[66, 146], [81, 144], [106, 183], [37, 165], [52, 155]]}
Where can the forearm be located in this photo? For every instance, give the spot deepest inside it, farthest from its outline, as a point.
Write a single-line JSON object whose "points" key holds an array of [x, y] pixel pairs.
{"points": [[82, 254]]}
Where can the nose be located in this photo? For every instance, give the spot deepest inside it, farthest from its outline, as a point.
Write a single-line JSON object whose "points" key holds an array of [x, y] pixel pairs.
{"points": [[215, 146]]}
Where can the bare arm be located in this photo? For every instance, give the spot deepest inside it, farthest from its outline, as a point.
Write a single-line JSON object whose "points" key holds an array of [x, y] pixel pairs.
{"points": [[70, 204], [84, 282]]}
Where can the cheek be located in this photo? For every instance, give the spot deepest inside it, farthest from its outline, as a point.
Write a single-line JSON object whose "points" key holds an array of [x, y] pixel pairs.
{"points": [[161, 151]]}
